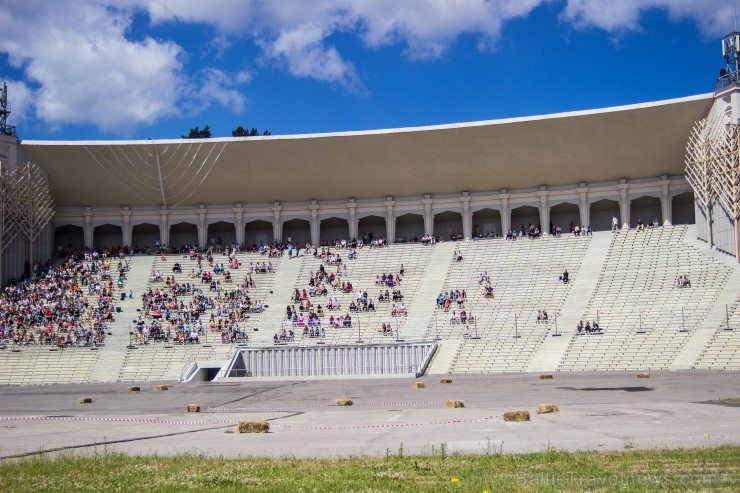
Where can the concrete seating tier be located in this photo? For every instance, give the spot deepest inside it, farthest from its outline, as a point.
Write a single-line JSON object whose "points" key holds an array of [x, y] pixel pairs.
{"points": [[723, 351], [42, 365], [166, 362], [362, 272], [262, 290], [636, 292], [525, 277]]}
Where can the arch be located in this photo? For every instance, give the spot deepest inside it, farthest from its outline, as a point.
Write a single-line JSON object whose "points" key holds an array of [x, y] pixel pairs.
{"points": [[144, 236], [221, 233], [374, 225], [601, 212], [107, 236], [682, 206], [258, 232], [448, 224], [523, 216], [645, 208], [409, 227], [183, 233], [563, 214], [297, 231], [332, 229], [68, 237], [486, 223]]}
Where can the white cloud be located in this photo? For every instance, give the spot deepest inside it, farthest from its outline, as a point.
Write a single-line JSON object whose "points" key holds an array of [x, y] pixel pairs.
{"points": [[81, 64], [86, 71], [713, 17]]}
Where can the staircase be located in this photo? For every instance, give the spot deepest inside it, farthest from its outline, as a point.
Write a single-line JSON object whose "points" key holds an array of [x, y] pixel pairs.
{"points": [[282, 290], [113, 354], [552, 349], [424, 302]]}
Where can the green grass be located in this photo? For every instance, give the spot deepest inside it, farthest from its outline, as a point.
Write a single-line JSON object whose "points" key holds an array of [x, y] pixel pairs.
{"points": [[711, 469], [733, 400]]}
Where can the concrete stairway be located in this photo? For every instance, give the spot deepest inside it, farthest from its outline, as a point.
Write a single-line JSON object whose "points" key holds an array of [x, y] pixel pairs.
{"points": [[439, 264], [282, 290], [444, 357], [113, 354], [552, 349]]}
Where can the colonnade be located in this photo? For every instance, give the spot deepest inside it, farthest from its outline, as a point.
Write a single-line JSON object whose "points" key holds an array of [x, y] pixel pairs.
{"points": [[394, 218]]}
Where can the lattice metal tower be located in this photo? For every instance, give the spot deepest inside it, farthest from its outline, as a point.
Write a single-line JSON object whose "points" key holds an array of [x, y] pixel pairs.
{"points": [[5, 129]]}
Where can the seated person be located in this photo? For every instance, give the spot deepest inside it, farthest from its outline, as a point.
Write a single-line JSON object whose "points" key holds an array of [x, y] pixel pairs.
{"points": [[579, 327], [565, 276]]}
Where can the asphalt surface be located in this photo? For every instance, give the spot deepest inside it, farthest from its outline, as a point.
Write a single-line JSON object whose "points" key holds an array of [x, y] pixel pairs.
{"points": [[598, 411]]}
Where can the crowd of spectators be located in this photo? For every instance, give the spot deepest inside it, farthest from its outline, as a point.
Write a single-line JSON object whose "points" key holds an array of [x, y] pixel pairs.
{"points": [[68, 305]]}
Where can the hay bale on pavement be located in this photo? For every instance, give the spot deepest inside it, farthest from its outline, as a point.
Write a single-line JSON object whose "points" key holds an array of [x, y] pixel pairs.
{"points": [[548, 408], [419, 385], [193, 408], [546, 377], [134, 388], [244, 426], [445, 380], [520, 415], [161, 388], [643, 374], [346, 401], [455, 403], [85, 400]]}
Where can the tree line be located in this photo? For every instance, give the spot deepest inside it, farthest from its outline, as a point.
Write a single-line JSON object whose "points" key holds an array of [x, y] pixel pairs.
{"points": [[205, 132]]}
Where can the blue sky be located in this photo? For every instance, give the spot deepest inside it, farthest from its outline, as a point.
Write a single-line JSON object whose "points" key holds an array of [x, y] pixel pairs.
{"points": [[138, 69]]}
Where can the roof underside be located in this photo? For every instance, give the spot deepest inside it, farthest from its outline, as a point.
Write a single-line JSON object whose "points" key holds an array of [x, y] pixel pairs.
{"points": [[633, 142]]}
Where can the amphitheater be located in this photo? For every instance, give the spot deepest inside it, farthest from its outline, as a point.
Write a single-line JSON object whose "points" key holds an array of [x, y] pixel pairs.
{"points": [[389, 192]]}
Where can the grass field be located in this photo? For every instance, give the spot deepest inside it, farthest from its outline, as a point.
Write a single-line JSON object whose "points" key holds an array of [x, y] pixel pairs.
{"points": [[710, 469]]}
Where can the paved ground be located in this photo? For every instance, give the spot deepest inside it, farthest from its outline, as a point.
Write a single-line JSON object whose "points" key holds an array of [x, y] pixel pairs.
{"points": [[599, 411]]}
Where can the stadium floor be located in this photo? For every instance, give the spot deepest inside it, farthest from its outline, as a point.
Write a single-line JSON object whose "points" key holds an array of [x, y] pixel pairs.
{"points": [[598, 411]]}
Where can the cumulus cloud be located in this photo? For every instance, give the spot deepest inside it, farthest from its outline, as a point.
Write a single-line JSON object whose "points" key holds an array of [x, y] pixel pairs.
{"points": [[713, 17], [85, 70], [82, 64]]}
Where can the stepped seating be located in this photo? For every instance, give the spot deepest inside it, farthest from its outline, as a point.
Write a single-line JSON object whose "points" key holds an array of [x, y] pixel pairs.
{"points": [[159, 362], [38, 365], [723, 350], [525, 277], [646, 319], [362, 272], [262, 290]]}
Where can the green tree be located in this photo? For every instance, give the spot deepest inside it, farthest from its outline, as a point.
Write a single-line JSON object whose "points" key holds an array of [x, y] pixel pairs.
{"points": [[243, 132], [197, 133]]}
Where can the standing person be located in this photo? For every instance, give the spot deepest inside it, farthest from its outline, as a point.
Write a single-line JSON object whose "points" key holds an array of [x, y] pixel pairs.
{"points": [[615, 223]]}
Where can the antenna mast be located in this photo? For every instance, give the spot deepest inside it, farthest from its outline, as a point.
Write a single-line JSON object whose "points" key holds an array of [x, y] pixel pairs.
{"points": [[5, 129]]}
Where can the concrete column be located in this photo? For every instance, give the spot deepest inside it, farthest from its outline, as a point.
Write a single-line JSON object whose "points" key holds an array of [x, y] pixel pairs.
{"points": [[665, 200], [277, 223], [239, 223], [505, 212], [128, 230], [428, 217], [88, 231], [467, 217], [544, 211], [624, 203], [315, 223], [583, 208], [390, 220], [202, 227], [164, 226], [353, 221]]}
